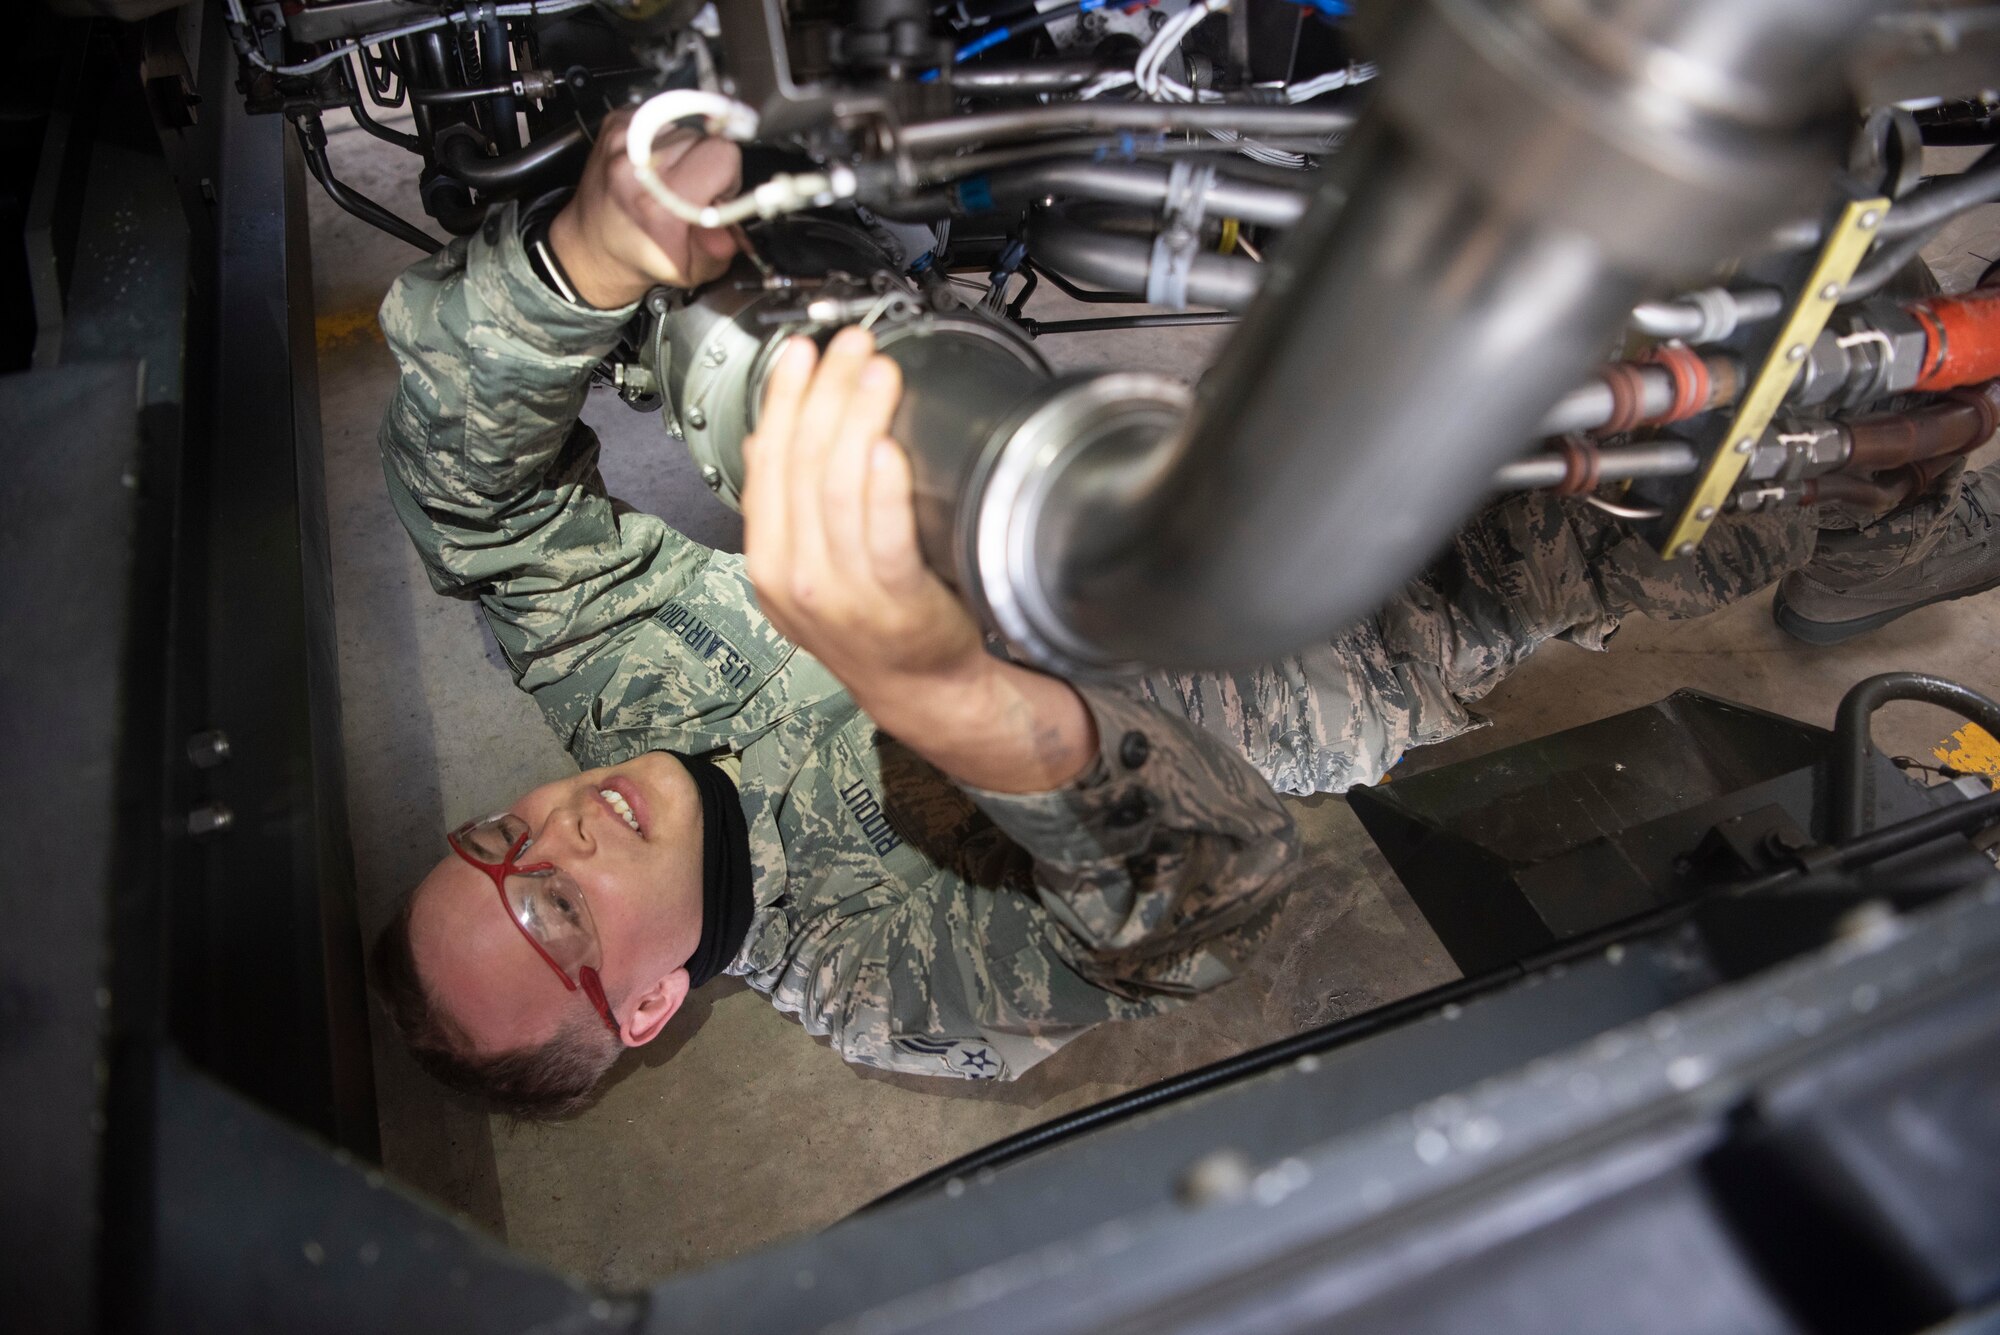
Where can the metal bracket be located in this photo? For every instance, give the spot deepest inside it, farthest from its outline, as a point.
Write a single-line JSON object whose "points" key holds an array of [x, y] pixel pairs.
{"points": [[1180, 234], [1846, 243]]}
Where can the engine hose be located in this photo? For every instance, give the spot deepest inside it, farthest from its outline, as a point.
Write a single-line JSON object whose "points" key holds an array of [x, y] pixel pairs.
{"points": [[460, 156], [1964, 334], [1883, 441]]}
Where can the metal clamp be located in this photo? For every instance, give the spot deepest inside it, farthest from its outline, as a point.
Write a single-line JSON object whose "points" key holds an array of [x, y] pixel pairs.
{"points": [[1180, 234], [1846, 243]]}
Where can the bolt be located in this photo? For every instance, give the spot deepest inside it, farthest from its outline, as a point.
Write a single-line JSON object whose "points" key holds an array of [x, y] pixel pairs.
{"points": [[696, 418], [1706, 513], [206, 750], [711, 475], [1224, 1175], [1831, 292], [1869, 924], [715, 355], [656, 301], [1745, 445], [1796, 353], [210, 818], [1686, 549]]}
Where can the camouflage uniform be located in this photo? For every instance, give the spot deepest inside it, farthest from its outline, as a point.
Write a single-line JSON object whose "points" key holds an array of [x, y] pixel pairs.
{"points": [[1530, 568], [921, 925]]}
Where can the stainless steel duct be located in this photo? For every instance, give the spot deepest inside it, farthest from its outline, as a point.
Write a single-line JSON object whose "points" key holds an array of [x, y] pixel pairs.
{"points": [[1463, 264]]}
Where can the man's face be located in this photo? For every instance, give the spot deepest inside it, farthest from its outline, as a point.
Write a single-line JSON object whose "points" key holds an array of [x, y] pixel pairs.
{"points": [[642, 886]]}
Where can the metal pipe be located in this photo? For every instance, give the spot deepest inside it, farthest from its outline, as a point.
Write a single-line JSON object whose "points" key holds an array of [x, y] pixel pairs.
{"points": [[1591, 404], [927, 137], [1112, 323], [496, 61], [1707, 317], [462, 158], [1925, 209], [1413, 330], [1025, 80], [1940, 200], [1228, 197], [1620, 463], [1123, 263], [312, 141], [1145, 184]]}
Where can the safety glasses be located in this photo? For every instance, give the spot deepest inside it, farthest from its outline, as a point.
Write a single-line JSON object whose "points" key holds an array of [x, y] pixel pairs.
{"points": [[542, 900]]}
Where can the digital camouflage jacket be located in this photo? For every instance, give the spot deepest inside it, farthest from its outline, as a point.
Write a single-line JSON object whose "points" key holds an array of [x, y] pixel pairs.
{"points": [[920, 925]]}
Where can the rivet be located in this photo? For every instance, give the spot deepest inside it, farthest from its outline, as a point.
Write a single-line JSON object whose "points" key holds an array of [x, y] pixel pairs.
{"points": [[1831, 292], [1685, 549], [210, 818], [1706, 513], [206, 750], [1870, 218], [1796, 353], [1745, 445], [1221, 1175]]}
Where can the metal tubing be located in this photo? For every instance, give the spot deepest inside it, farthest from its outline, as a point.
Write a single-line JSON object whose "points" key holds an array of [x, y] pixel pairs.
{"points": [[1939, 201], [1621, 463], [1590, 404], [463, 160], [1854, 743], [930, 137], [1025, 80], [1122, 263], [1143, 184], [1447, 284], [496, 61], [1111, 323], [1684, 318], [312, 143], [1416, 339]]}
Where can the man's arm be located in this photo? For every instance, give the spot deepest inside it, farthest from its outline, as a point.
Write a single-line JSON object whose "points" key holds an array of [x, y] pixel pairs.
{"points": [[487, 466], [1151, 842], [830, 537]]}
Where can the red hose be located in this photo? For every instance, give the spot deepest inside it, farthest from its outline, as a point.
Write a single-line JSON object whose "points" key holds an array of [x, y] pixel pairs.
{"points": [[1964, 334]]}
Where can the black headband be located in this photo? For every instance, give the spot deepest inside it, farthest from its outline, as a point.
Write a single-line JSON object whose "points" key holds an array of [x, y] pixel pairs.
{"points": [[726, 903]]}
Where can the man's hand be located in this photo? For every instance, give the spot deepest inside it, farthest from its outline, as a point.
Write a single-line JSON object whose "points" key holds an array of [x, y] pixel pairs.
{"points": [[830, 538], [615, 241], [830, 531]]}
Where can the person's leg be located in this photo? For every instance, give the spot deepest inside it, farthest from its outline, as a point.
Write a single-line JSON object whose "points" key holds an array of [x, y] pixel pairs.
{"points": [[1868, 572], [1526, 570]]}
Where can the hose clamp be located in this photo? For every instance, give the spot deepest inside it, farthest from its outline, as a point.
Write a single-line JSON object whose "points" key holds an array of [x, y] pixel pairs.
{"points": [[1179, 238]]}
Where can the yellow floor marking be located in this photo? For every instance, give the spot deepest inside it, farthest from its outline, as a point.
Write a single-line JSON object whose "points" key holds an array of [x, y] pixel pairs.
{"points": [[1971, 750], [338, 327]]}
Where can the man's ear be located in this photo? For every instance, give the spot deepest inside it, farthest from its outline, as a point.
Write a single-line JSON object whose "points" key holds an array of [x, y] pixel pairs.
{"points": [[655, 1006]]}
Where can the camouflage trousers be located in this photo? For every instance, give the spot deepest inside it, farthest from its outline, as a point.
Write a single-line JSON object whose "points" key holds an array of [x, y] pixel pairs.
{"points": [[1526, 570]]}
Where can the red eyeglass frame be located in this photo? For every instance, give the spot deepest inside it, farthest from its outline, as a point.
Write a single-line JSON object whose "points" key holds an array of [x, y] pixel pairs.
{"points": [[498, 872]]}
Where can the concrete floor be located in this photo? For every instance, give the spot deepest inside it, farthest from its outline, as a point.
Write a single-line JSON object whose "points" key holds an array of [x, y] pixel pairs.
{"points": [[736, 1129]]}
